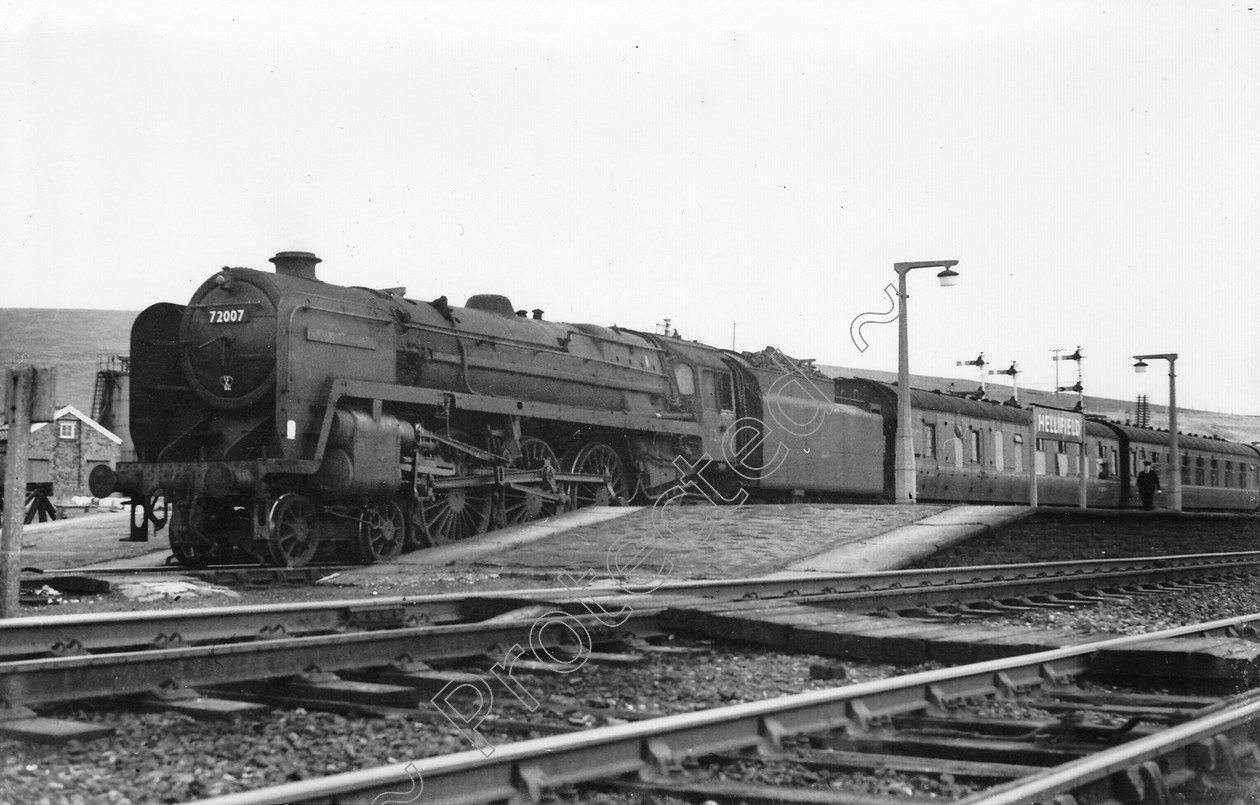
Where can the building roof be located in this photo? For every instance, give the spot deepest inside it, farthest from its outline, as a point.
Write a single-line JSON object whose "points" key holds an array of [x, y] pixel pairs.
{"points": [[61, 414]]}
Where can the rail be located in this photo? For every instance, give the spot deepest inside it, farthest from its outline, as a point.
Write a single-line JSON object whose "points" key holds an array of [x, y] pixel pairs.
{"points": [[531, 770], [897, 589]]}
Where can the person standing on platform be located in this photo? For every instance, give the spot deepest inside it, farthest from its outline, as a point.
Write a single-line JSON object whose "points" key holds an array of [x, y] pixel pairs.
{"points": [[1147, 483]]}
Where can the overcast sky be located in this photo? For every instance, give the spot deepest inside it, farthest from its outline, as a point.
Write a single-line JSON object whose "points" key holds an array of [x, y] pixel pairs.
{"points": [[746, 168]]}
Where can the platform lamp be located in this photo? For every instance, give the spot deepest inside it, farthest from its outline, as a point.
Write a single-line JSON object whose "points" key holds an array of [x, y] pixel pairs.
{"points": [[1174, 502], [904, 483]]}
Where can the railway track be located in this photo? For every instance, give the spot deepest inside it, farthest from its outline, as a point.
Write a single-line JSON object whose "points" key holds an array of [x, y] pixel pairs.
{"points": [[52, 660], [287, 655], [901, 590], [1111, 747]]}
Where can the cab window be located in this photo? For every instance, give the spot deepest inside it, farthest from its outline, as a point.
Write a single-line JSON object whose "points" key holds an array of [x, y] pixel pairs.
{"points": [[685, 379], [718, 390]]}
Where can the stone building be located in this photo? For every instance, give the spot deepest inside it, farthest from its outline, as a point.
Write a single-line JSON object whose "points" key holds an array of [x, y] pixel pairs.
{"points": [[64, 451]]}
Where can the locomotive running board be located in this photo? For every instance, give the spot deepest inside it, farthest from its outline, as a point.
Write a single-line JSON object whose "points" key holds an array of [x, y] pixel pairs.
{"points": [[453, 400]]}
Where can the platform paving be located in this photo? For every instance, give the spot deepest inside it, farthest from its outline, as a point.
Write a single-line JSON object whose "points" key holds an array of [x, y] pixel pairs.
{"points": [[710, 542], [903, 545], [694, 541]]}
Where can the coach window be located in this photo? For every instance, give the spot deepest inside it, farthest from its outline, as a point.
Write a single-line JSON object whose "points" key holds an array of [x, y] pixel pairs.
{"points": [[1214, 476], [1229, 474], [685, 379], [929, 440], [1185, 468], [976, 456], [1198, 471]]}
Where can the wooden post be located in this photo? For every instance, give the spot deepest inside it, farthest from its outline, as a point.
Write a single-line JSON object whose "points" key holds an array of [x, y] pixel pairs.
{"points": [[18, 382], [28, 395]]}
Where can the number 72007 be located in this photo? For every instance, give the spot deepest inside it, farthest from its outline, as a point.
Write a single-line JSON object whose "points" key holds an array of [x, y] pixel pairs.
{"points": [[228, 315]]}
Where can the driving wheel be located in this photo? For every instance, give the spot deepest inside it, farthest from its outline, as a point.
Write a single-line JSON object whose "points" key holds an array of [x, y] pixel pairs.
{"points": [[599, 459], [527, 502], [455, 512]]}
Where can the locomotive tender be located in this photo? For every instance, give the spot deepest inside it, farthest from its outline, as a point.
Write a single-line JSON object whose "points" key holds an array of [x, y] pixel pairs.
{"points": [[276, 416]]}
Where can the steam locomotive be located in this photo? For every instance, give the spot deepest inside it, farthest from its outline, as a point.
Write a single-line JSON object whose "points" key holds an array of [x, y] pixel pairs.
{"points": [[277, 417]]}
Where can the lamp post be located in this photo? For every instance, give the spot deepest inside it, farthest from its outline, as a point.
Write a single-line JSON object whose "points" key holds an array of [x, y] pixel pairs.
{"points": [[904, 484], [1174, 502]]}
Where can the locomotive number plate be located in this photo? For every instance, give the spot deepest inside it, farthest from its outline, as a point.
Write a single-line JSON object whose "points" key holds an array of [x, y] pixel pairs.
{"points": [[228, 315]]}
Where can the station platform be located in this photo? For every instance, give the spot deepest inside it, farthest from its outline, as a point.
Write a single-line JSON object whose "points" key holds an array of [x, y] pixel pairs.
{"points": [[709, 542], [698, 542]]}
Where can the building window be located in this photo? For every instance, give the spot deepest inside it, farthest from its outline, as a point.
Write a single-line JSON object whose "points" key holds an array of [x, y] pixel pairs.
{"points": [[67, 430]]}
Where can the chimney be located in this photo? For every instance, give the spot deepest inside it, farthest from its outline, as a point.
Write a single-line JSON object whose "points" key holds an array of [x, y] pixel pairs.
{"points": [[296, 264]]}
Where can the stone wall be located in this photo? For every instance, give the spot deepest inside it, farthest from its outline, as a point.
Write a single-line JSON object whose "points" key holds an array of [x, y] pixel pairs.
{"points": [[1066, 534], [66, 462]]}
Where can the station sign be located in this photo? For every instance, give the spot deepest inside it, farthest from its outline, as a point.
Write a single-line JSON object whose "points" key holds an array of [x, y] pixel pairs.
{"points": [[1058, 425]]}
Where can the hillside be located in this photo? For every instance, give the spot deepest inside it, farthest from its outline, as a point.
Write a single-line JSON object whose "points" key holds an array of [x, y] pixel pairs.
{"points": [[70, 340], [73, 340]]}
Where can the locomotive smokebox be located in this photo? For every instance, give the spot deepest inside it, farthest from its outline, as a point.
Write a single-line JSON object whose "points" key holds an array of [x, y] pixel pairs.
{"points": [[296, 264]]}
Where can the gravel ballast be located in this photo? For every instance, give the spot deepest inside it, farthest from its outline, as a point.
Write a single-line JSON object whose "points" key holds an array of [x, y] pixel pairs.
{"points": [[165, 757]]}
